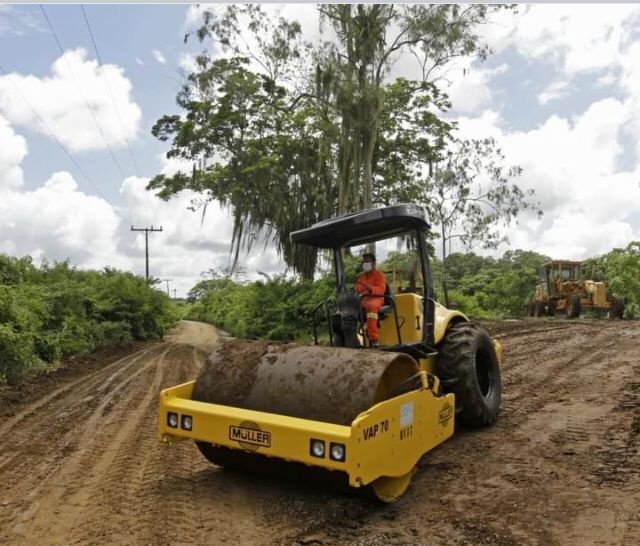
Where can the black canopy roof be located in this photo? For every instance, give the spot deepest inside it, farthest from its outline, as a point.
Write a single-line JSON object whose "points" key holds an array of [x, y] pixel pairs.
{"points": [[363, 227]]}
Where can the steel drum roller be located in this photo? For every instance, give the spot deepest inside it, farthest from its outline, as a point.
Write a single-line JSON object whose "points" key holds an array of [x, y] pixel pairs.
{"points": [[330, 384]]}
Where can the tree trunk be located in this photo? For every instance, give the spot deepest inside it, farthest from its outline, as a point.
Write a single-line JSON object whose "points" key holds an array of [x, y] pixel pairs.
{"points": [[445, 294], [345, 160], [369, 143], [356, 185]]}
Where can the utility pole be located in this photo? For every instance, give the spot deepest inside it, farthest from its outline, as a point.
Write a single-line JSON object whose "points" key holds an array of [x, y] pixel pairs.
{"points": [[174, 293], [146, 245], [167, 281]]}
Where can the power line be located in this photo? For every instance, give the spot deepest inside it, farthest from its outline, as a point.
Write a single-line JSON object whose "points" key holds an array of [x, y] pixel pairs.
{"points": [[104, 75], [86, 102], [51, 133]]}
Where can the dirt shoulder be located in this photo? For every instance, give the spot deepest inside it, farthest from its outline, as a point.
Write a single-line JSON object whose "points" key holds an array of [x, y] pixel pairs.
{"points": [[15, 397]]}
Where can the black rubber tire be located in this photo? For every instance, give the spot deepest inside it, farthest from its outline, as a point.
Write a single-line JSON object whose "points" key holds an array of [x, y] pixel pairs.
{"points": [[573, 307], [214, 454], [468, 367], [551, 307], [617, 308], [539, 310], [532, 307]]}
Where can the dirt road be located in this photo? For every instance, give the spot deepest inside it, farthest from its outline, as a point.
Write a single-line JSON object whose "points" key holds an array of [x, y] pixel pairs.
{"points": [[81, 465]]}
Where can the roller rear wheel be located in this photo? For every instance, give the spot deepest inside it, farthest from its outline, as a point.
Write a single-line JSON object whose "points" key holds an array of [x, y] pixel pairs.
{"points": [[468, 367]]}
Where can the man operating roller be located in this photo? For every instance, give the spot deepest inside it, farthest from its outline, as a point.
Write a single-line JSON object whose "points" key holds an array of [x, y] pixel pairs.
{"points": [[371, 285]]}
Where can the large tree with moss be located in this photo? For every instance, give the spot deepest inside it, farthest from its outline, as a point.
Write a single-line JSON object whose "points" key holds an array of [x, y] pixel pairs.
{"points": [[287, 133]]}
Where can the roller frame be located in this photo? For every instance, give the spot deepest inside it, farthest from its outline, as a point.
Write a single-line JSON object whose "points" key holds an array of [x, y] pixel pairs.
{"points": [[376, 443]]}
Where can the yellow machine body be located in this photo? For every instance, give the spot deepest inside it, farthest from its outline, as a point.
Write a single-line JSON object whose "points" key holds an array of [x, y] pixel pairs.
{"points": [[411, 320], [367, 414], [563, 280], [385, 441], [382, 444]]}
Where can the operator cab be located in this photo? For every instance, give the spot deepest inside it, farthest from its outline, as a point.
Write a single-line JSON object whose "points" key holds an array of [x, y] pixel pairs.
{"points": [[399, 235]]}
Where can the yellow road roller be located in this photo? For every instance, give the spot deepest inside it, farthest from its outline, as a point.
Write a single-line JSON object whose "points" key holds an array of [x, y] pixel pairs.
{"points": [[366, 413]]}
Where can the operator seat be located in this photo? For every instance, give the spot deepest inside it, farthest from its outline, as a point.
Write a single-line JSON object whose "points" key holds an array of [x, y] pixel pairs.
{"points": [[388, 306]]}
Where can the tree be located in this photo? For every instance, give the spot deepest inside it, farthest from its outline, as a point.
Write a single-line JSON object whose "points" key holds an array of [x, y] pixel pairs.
{"points": [[370, 38], [287, 133], [216, 278], [269, 164], [623, 270], [470, 196]]}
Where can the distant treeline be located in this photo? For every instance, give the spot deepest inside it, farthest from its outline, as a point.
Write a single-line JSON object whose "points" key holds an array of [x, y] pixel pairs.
{"points": [[482, 287], [53, 311], [280, 308]]}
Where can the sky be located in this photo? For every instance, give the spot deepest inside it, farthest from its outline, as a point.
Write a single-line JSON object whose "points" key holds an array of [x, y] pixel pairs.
{"points": [[558, 93]]}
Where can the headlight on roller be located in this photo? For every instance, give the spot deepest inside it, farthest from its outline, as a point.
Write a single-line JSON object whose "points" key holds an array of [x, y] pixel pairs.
{"points": [[172, 419], [187, 422], [316, 448], [337, 452]]}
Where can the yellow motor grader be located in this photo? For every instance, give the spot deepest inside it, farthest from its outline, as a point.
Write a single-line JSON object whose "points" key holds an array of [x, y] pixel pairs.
{"points": [[564, 288], [368, 414]]}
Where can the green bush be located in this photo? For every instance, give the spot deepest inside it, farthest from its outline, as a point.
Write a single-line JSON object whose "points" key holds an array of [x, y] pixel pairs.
{"points": [[54, 311], [278, 308], [632, 311], [468, 305]]}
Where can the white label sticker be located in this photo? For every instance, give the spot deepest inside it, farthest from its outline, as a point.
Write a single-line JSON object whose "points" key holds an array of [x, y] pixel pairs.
{"points": [[406, 415]]}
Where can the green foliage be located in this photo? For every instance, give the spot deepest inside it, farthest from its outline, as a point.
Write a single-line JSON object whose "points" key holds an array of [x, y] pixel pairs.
{"points": [[499, 288], [54, 311], [294, 132], [632, 311], [469, 305], [623, 272], [281, 308]]}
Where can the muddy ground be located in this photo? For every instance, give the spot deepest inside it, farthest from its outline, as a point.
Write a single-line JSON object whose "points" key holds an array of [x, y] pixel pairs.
{"points": [[80, 463]]}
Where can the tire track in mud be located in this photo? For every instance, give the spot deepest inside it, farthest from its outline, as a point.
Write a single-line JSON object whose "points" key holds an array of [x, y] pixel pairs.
{"points": [[51, 433], [76, 434], [120, 472], [11, 423], [532, 469], [114, 483]]}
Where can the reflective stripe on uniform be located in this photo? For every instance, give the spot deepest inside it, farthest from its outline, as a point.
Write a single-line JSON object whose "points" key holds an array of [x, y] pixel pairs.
{"points": [[372, 315]]}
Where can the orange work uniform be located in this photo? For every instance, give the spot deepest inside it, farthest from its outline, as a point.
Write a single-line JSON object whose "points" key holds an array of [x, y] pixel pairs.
{"points": [[371, 285]]}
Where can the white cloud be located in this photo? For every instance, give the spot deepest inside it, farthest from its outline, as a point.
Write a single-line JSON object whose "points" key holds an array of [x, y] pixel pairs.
{"points": [[555, 90], [606, 80], [187, 62], [62, 108], [572, 165], [195, 12], [13, 149], [470, 90], [158, 56], [577, 236], [57, 221], [191, 242], [583, 39], [139, 61], [572, 162], [18, 20]]}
